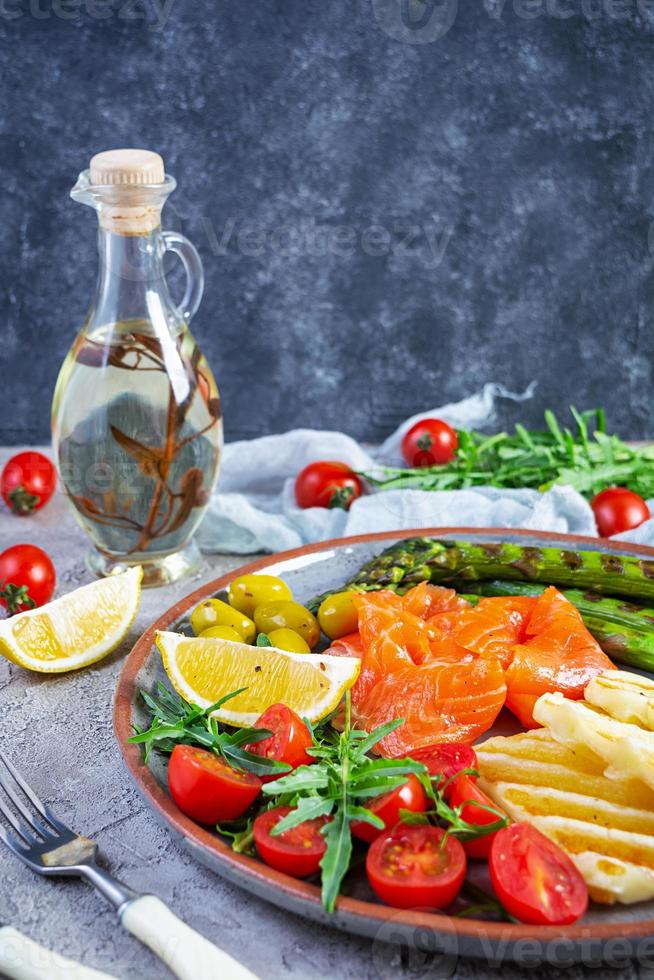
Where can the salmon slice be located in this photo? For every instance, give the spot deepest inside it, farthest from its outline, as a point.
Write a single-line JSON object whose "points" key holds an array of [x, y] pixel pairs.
{"points": [[495, 626], [427, 600], [410, 669], [558, 654], [347, 646], [440, 702]]}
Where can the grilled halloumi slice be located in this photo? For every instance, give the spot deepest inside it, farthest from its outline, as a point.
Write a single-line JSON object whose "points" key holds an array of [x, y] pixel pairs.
{"points": [[624, 696], [606, 826], [626, 749]]}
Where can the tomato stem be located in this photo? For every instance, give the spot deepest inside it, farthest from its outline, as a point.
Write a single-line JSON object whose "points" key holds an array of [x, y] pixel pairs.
{"points": [[22, 501], [16, 597]]}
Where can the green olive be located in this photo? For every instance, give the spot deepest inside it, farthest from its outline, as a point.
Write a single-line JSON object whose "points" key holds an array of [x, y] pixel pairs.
{"points": [[215, 612], [338, 615], [286, 639], [286, 614], [223, 633], [249, 591]]}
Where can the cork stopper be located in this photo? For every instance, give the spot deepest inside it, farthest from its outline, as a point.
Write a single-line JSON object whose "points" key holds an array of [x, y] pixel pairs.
{"points": [[127, 168], [131, 186]]}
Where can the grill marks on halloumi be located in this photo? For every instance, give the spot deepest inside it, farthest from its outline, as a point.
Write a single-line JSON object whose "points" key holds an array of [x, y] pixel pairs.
{"points": [[607, 826]]}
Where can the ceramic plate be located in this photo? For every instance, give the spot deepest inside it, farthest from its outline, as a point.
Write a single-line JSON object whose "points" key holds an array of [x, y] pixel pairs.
{"points": [[309, 571]]}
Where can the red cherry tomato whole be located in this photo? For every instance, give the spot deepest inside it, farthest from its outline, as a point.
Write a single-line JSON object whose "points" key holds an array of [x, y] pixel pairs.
{"points": [[289, 740], [430, 442], [410, 867], [536, 882], [618, 509], [465, 791], [296, 852], [409, 796], [27, 482], [326, 484], [446, 760], [26, 572], [206, 788]]}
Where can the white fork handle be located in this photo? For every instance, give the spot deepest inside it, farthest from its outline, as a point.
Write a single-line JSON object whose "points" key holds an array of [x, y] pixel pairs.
{"points": [[185, 952], [23, 959]]}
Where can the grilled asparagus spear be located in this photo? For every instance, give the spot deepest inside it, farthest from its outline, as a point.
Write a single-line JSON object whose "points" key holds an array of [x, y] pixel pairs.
{"points": [[623, 630], [415, 560]]}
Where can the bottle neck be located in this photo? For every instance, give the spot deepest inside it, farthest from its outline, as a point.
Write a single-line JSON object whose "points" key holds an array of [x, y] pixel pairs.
{"points": [[131, 281]]}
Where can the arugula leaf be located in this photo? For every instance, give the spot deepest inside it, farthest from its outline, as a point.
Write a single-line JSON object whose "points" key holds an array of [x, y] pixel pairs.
{"points": [[336, 859], [307, 808]]}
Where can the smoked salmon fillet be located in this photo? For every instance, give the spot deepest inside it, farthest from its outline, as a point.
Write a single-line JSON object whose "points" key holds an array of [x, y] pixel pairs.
{"points": [[447, 667]]}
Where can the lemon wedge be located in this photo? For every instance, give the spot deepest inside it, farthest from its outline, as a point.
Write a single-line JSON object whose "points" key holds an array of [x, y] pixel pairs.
{"points": [[76, 630], [204, 669]]}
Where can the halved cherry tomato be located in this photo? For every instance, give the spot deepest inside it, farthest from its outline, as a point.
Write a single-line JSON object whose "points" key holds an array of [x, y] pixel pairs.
{"points": [[465, 790], [534, 879], [618, 509], [446, 759], [289, 740], [327, 484], [409, 796], [208, 789], [430, 442], [27, 577], [297, 852], [411, 867], [27, 482]]}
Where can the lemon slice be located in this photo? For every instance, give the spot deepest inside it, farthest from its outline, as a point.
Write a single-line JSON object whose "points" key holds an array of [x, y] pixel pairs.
{"points": [[204, 669], [76, 630]]}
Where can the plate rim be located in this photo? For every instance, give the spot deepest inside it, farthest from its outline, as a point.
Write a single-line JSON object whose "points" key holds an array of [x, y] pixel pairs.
{"points": [[302, 892]]}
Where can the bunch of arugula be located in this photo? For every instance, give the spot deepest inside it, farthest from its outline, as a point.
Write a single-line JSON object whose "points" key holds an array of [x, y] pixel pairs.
{"points": [[337, 786], [585, 457], [176, 722]]}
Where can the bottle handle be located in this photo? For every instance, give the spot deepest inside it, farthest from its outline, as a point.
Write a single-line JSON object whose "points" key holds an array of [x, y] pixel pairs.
{"points": [[190, 257]]}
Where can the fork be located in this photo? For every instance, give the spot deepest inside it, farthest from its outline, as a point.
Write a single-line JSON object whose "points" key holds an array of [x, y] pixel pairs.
{"points": [[50, 848]]}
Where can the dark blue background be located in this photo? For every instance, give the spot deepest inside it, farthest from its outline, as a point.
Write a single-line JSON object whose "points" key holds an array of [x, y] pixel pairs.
{"points": [[385, 223]]}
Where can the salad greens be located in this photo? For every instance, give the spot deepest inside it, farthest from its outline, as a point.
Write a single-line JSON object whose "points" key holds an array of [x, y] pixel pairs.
{"points": [[584, 457], [342, 775], [339, 785], [176, 722]]}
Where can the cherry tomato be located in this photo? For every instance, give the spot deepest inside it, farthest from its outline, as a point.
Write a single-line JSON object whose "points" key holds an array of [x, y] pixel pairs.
{"points": [[411, 867], [536, 882], [26, 573], [430, 442], [326, 484], [465, 791], [618, 509], [206, 788], [446, 759], [297, 852], [289, 740], [409, 796], [27, 482]]}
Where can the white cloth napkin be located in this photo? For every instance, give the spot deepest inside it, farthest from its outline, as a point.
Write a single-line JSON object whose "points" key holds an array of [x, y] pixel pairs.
{"points": [[254, 507]]}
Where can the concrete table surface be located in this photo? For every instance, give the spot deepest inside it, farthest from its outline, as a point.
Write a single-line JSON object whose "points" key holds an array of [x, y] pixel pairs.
{"points": [[58, 729]]}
